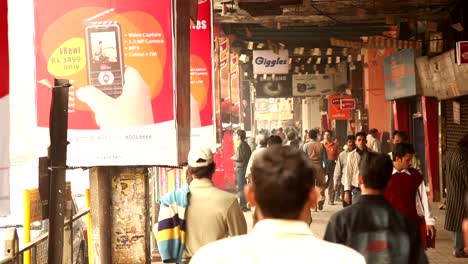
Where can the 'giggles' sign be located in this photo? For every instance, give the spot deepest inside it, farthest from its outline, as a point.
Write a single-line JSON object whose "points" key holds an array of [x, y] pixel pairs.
{"points": [[268, 62]]}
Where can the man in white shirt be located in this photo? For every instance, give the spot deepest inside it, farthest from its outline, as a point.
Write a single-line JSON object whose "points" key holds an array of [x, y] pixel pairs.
{"points": [[350, 180], [373, 143], [283, 189]]}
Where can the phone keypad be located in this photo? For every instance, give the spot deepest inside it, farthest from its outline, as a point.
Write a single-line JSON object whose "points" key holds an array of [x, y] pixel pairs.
{"points": [[110, 82]]}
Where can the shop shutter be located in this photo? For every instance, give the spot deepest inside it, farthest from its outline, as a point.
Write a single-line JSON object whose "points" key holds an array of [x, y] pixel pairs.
{"points": [[454, 132]]}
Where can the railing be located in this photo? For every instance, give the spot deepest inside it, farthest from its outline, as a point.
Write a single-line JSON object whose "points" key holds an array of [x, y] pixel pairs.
{"points": [[14, 255]]}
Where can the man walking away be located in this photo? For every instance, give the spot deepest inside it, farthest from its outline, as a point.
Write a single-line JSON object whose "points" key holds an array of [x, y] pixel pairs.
{"points": [[212, 214], [340, 167], [456, 171], [371, 225], [283, 189], [318, 156], [241, 159]]}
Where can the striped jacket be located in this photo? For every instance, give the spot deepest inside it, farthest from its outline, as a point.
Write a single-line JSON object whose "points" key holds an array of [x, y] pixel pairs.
{"points": [[172, 226], [456, 173]]}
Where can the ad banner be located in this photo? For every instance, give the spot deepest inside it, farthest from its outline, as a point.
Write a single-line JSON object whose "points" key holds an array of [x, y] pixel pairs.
{"points": [[201, 85], [400, 75], [268, 62], [278, 86], [119, 57], [312, 84]]}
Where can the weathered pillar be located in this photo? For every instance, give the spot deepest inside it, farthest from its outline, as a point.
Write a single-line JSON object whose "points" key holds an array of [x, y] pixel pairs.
{"points": [[101, 190]]}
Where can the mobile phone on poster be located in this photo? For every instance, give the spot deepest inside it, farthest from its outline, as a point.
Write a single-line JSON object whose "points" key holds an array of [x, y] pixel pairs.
{"points": [[105, 63]]}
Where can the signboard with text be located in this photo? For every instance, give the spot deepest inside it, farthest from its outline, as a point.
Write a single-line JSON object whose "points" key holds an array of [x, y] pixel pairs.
{"points": [[335, 112], [347, 103], [268, 62], [119, 55]]}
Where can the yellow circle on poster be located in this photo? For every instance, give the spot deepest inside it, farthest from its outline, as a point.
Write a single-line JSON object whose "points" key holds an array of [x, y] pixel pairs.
{"points": [[68, 59]]}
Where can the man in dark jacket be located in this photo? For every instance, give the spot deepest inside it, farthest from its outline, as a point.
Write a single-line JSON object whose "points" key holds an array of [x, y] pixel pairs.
{"points": [[372, 226], [456, 171], [241, 159]]}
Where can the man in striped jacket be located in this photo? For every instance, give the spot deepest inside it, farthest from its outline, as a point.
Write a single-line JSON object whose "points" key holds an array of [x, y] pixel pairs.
{"points": [[456, 171]]}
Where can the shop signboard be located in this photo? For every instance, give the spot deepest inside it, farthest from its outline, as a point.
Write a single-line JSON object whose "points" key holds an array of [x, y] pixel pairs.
{"points": [[119, 55], [400, 75], [269, 62], [347, 103], [309, 85], [201, 84], [335, 112]]}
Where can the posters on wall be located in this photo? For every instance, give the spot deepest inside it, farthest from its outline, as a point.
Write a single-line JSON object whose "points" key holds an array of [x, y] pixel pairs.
{"points": [[278, 86], [400, 75], [309, 85], [119, 56], [269, 62], [441, 77], [201, 84]]}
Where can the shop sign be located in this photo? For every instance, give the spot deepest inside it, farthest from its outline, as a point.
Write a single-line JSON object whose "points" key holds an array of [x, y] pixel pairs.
{"points": [[268, 62], [348, 103], [335, 112]]}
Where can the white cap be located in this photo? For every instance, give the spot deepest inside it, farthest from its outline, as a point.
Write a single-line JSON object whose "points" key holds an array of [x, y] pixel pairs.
{"points": [[200, 157]]}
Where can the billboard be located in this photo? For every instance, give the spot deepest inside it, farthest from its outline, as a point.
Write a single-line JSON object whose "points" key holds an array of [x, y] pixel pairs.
{"points": [[312, 84], [119, 55], [278, 86], [201, 72], [400, 75], [268, 62]]}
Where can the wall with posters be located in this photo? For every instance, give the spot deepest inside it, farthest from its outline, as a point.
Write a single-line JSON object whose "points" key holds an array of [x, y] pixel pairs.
{"points": [[441, 77], [120, 56], [4, 112], [201, 73]]}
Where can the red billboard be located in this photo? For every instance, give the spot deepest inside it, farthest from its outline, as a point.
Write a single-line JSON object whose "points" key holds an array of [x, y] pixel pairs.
{"points": [[201, 72], [335, 112]]}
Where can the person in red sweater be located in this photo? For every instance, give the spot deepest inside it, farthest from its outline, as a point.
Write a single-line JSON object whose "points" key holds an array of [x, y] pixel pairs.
{"points": [[406, 191]]}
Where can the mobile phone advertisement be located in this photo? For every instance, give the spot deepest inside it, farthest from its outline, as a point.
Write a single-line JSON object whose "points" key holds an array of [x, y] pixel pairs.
{"points": [[202, 125], [118, 56]]}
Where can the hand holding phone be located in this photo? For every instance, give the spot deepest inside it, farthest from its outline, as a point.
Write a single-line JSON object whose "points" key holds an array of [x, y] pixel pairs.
{"points": [[132, 108]]}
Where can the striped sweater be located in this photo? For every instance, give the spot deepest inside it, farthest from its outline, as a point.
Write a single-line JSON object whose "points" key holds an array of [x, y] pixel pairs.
{"points": [[172, 226]]}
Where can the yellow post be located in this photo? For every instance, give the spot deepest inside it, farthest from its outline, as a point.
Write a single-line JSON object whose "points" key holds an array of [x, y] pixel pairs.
{"points": [[27, 225], [88, 227]]}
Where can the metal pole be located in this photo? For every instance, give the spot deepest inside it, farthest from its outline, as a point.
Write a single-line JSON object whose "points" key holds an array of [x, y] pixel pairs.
{"points": [[58, 155]]}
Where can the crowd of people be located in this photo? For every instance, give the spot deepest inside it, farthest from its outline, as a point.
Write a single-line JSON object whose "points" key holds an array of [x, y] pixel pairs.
{"points": [[386, 217]]}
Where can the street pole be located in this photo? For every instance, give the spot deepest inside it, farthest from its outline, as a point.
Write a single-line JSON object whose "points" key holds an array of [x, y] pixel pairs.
{"points": [[58, 125]]}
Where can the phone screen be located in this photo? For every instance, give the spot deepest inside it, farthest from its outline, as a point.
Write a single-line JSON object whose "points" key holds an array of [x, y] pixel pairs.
{"points": [[104, 58]]}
